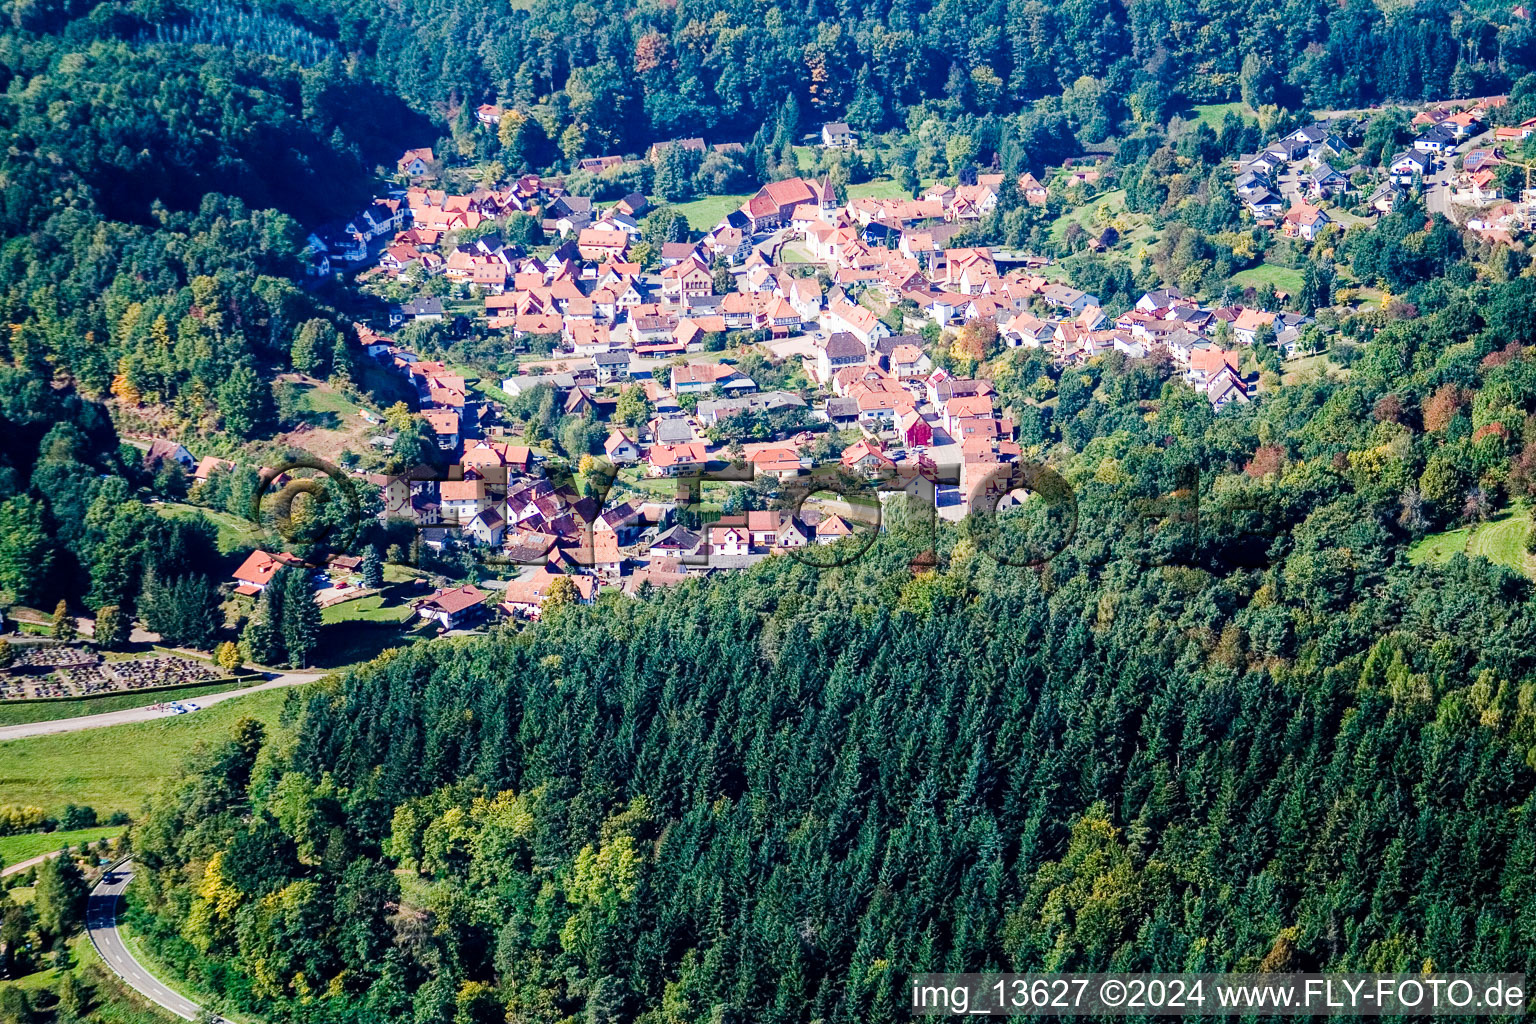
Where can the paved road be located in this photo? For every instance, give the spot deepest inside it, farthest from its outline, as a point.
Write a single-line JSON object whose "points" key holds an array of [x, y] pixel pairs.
{"points": [[31, 862], [101, 926], [1437, 184], [146, 713]]}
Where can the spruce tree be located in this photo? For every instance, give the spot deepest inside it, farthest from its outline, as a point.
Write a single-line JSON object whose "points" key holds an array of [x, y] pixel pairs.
{"points": [[263, 635], [300, 620], [373, 568]]}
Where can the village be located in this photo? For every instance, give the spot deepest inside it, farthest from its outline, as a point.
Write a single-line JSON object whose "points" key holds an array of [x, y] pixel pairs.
{"points": [[1464, 166], [847, 296], [792, 273]]}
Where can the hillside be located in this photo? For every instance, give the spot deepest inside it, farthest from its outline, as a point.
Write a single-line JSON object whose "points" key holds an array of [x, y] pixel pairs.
{"points": [[776, 794], [1220, 694]]}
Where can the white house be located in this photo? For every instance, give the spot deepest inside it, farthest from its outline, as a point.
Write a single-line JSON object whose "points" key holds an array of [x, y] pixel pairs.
{"points": [[837, 135]]}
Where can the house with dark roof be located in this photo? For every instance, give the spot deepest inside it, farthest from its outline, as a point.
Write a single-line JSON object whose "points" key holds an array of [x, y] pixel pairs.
{"points": [[161, 451], [1407, 167], [453, 608], [1439, 139], [1325, 181], [840, 349], [611, 365], [837, 135], [429, 308], [1265, 204], [712, 411]]}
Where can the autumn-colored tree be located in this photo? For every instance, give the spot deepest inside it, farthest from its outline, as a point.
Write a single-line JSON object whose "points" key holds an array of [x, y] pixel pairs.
{"points": [[977, 340], [1267, 460], [397, 416], [1388, 409], [561, 592], [1442, 406], [63, 626], [816, 69], [1522, 472], [510, 127], [228, 655], [651, 53], [1498, 357]]}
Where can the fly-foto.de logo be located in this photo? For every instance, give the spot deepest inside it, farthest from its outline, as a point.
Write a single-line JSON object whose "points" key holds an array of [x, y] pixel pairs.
{"points": [[1022, 514]]}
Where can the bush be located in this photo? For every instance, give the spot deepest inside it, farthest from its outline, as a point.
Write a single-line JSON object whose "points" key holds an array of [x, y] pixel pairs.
{"points": [[15, 819], [77, 817]]}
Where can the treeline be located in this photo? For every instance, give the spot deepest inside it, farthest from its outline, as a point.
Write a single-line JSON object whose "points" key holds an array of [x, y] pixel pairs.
{"points": [[122, 125], [612, 77]]}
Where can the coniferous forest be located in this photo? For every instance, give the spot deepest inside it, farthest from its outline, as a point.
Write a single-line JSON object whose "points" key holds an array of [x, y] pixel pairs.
{"points": [[775, 795]]}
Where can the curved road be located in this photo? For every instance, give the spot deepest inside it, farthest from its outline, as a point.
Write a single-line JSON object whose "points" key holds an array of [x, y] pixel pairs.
{"points": [[148, 712], [101, 926]]}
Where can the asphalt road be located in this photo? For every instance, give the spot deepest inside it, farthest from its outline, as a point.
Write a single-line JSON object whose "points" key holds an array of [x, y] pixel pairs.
{"points": [[30, 862], [146, 713], [101, 925], [1437, 184]]}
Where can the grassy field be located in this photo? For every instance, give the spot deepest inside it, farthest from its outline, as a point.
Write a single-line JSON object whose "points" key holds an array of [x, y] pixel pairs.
{"points": [[794, 252], [1298, 369], [382, 386], [365, 609], [880, 188], [1095, 216], [350, 641], [483, 382], [331, 421], [1284, 279], [234, 531], [324, 403], [1213, 113], [115, 768], [705, 213], [1438, 548], [51, 711], [1500, 540], [15, 849]]}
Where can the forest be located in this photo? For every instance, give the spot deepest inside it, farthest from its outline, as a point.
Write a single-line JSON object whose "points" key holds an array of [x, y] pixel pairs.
{"points": [[155, 197], [775, 795], [613, 77]]}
